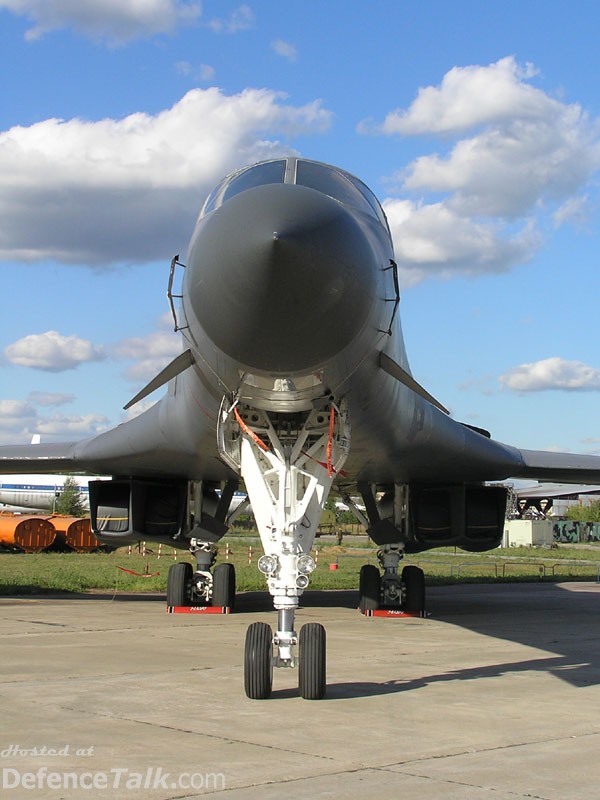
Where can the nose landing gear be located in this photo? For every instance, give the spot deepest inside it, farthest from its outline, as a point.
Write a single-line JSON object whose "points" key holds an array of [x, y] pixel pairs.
{"points": [[259, 660], [288, 463]]}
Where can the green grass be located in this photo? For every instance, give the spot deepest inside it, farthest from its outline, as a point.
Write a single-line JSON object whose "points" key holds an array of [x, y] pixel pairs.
{"points": [[82, 572]]}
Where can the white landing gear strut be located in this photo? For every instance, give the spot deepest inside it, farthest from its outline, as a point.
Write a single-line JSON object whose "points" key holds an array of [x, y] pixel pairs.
{"points": [[288, 462]]}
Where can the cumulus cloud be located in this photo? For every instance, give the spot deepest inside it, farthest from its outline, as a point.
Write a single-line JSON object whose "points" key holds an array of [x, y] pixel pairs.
{"points": [[434, 241], [574, 210], [16, 414], [117, 21], [284, 49], [52, 352], [551, 374], [525, 158], [506, 172], [592, 444], [19, 420], [151, 353], [240, 19], [50, 398], [129, 190], [72, 427], [472, 96], [203, 73]]}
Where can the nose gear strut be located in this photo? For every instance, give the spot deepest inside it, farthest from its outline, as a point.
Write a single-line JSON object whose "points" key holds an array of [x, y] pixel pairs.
{"points": [[288, 462]]}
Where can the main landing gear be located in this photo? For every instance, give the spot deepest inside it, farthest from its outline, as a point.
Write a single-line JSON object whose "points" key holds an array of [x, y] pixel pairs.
{"points": [[404, 591], [288, 462], [202, 587]]}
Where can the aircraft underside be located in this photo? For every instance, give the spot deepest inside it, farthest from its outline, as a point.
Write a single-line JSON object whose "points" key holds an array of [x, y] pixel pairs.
{"points": [[289, 462]]}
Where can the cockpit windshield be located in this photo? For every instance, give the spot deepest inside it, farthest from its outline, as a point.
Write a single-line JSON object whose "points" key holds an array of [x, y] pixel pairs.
{"points": [[326, 179], [248, 178]]}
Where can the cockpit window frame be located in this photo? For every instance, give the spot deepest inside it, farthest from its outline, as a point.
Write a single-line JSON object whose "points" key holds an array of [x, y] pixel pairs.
{"points": [[355, 192], [359, 195], [219, 194]]}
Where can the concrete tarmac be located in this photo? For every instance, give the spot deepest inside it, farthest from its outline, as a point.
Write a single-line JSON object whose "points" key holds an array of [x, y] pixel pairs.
{"points": [[495, 695]]}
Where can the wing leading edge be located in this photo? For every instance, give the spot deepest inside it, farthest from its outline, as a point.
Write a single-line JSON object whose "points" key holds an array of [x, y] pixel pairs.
{"points": [[63, 458], [39, 458], [543, 465]]}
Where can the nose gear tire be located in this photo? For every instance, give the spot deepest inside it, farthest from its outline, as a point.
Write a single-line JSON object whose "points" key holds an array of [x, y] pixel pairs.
{"points": [[312, 667], [258, 669]]}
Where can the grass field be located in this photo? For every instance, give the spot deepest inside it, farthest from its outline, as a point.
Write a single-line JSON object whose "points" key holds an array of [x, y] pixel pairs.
{"points": [[82, 572]]}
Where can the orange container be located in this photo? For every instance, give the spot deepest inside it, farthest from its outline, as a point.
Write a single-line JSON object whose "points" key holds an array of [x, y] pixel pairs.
{"points": [[31, 534], [75, 532]]}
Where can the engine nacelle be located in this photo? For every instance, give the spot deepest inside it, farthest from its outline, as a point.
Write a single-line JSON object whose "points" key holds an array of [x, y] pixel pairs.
{"points": [[469, 517], [129, 510]]}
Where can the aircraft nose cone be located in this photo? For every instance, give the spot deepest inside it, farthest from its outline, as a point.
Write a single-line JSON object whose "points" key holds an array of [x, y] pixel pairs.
{"points": [[281, 278]]}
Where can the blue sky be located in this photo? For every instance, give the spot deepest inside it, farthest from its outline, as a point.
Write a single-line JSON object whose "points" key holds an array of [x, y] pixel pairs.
{"points": [[476, 124]]}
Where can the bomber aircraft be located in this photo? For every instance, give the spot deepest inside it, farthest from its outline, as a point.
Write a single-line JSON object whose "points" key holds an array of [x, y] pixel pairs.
{"points": [[294, 379]]}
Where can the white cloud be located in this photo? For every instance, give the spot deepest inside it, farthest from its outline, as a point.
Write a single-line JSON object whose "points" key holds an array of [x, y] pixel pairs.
{"points": [[49, 398], [551, 374], [19, 420], [203, 73], [574, 210], [241, 19], [507, 171], [51, 351], [129, 190], [16, 414], [116, 21], [284, 49], [151, 353], [72, 427], [434, 241], [481, 205], [593, 445], [472, 96]]}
